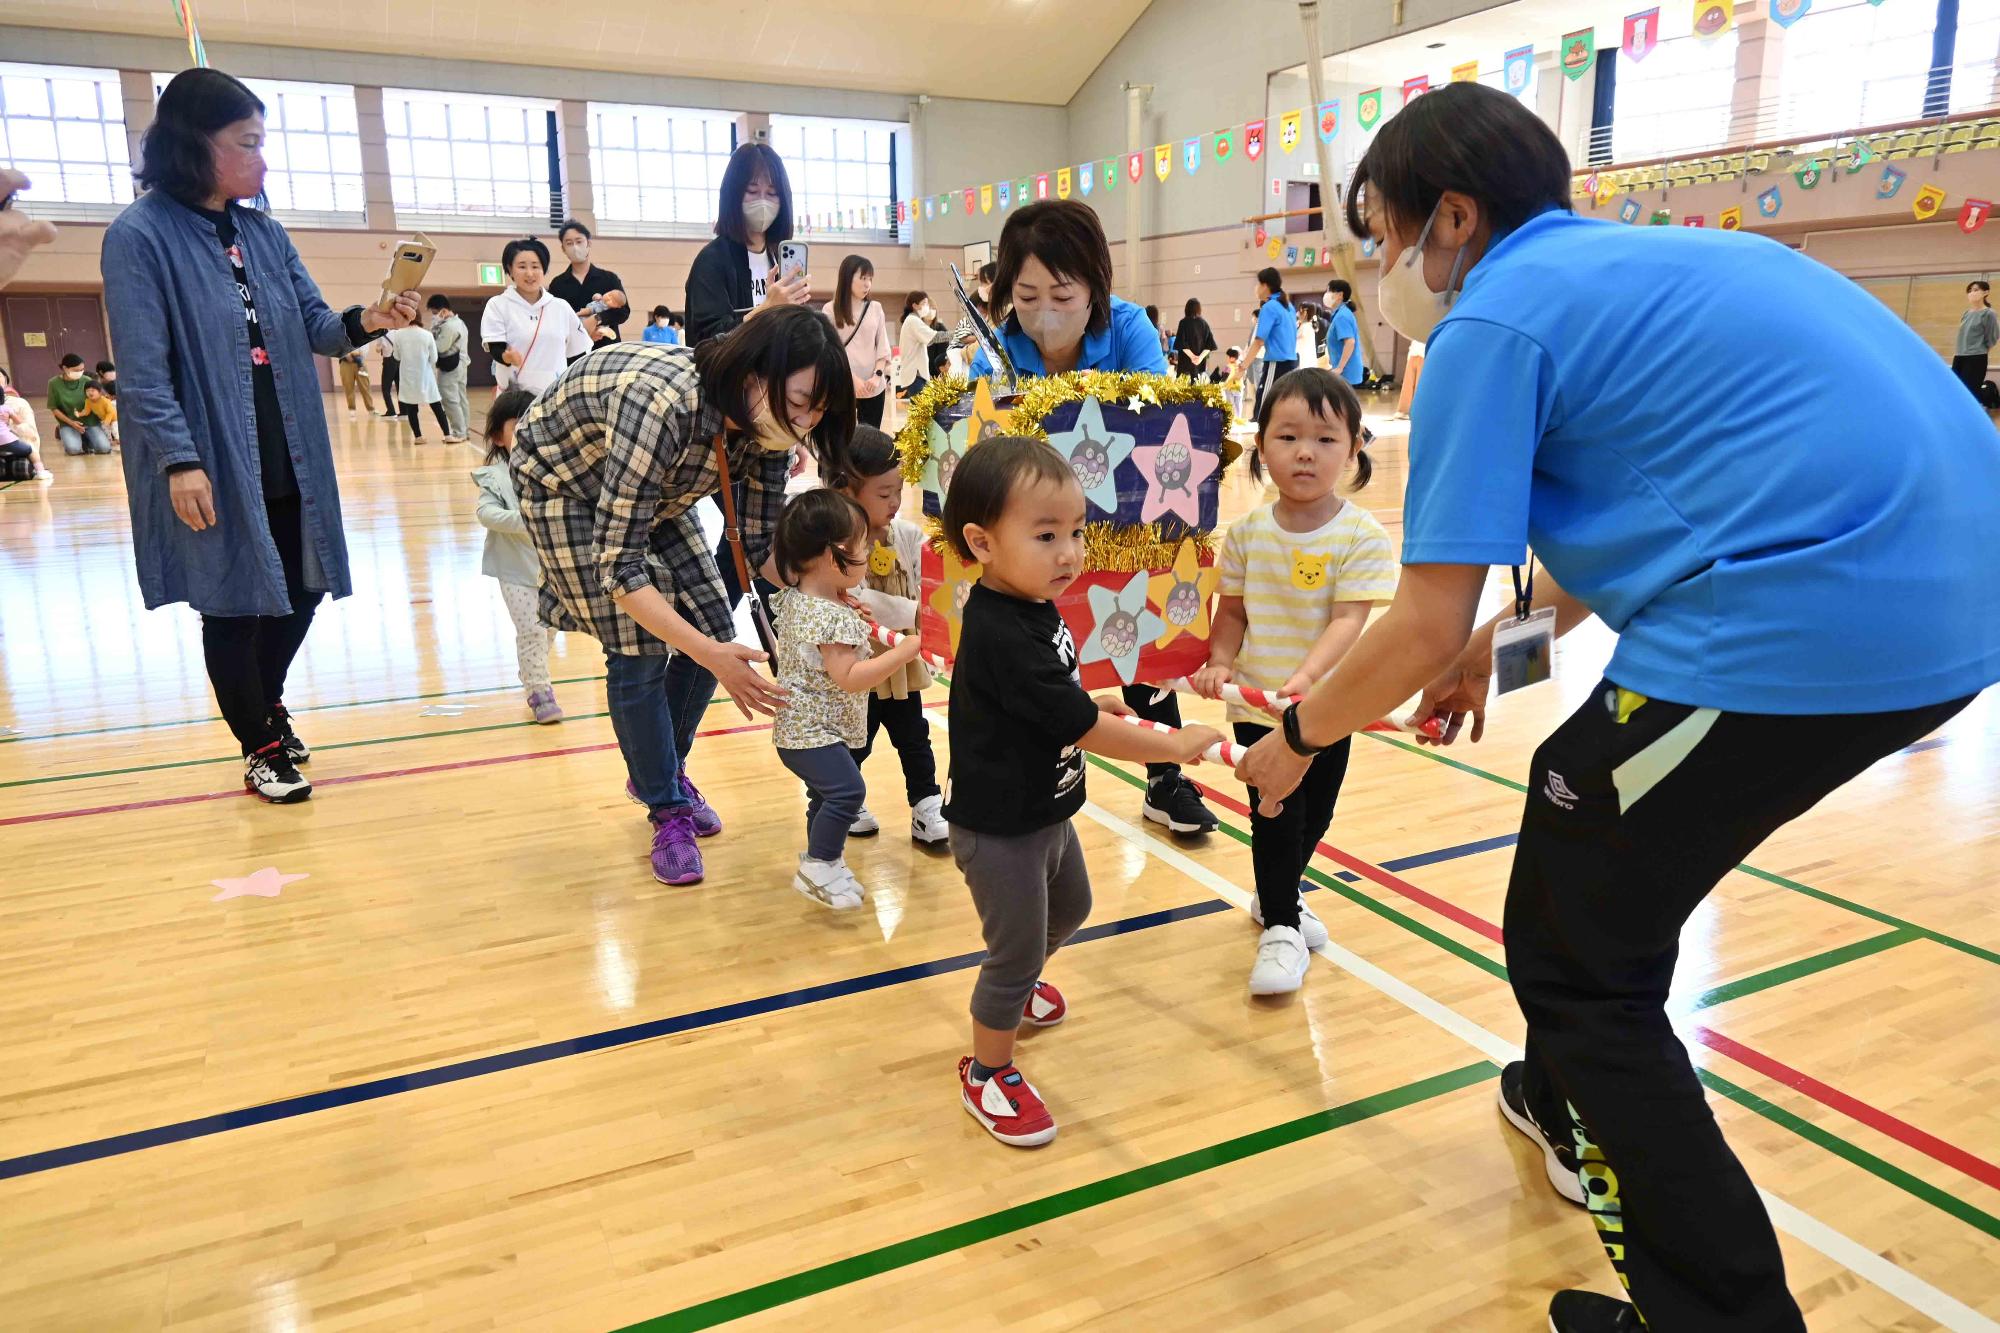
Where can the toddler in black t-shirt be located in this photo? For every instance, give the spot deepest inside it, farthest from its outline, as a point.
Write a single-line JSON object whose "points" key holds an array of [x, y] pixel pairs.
{"points": [[1019, 720]]}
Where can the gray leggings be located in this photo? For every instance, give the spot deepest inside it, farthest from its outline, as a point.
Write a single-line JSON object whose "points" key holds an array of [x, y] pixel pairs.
{"points": [[834, 793], [1033, 892]]}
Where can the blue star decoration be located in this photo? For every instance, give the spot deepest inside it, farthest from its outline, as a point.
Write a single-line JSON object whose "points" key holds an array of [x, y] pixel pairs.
{"points": [[947, 452], [1119, 623], [1093, 452]]}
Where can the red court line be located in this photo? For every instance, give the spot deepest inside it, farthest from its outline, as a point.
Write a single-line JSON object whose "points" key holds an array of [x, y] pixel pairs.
{"points": [[1902, 1131]]}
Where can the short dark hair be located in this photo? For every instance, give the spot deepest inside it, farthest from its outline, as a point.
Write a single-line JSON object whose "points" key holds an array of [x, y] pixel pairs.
{"points": [[815, 523], [106, 368], [438, 301], [1192, 310], [915, 299], [92, 386], [772, 348], [843, 306], [1344, 288], [743, 165], [526, 245], [1066, 236], [71, 361], [1325, 394], [1274, 283], [988, 476], [569, 226], [175, 155], [1464, 137], [870, 454], [508, 405], [661, 312]]}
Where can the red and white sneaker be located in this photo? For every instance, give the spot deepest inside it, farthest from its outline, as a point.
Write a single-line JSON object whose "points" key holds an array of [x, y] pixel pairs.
{"points": [[1007, 1105], [1046, 1006]]}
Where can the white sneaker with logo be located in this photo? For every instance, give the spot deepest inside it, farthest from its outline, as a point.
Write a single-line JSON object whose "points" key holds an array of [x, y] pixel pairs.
{"points": [[865, 824], [1310, 926], [1281, 962], [927, 823], [828, 883]]}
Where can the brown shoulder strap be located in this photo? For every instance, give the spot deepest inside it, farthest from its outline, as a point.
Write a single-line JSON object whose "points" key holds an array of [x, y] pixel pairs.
{"points": [[732, 528]]}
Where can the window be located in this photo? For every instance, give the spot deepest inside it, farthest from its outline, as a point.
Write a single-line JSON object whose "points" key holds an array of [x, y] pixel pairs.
{"points": [[1676, 100], [64, 127], [846, 168], [1975, 73], [469, 160], [657, 170], [1854, 66], [312, 148]]}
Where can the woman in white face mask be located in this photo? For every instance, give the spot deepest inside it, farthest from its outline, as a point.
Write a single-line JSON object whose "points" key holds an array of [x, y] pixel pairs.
{"points": [[1656, 407], [735, 275], [1054, 266]]}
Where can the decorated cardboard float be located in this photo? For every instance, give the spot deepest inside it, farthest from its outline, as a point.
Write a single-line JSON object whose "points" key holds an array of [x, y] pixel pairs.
{"points": [[1149, 452]]}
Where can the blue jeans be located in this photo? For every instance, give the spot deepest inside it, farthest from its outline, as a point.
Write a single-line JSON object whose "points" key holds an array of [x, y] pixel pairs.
{"points": [[656, 701], [91, 439]]}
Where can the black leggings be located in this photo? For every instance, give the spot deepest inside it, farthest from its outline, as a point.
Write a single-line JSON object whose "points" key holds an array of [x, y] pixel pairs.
{"points": [[868, 411], [1971, 371], [248, 657], [911, 735], [1628, 826], [390, 374], [417, 430], [1282, 844], [1139, 698]]}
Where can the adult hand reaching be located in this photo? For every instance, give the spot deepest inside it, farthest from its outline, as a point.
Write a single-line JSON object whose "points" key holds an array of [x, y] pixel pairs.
{"points": [[750, 689], [1459, 693], [400, 314], [19, 233], [793, 291], [1275, 770], [193, 498]]}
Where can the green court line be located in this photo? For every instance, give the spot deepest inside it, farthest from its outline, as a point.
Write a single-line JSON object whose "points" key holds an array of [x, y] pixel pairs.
{"points": [[1064, 1203], [1769, 877], [1888, 1172], [309, 708], [1802, 967]]}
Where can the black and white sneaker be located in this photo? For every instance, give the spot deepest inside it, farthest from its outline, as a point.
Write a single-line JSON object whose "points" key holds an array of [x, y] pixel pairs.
{"points": [[1173, 800], [295, 749], [1559, 1160], [269, 775], [1588, 1312]]}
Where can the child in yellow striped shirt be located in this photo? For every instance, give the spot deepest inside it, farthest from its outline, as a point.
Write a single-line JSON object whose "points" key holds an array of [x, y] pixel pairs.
{"points": [[1298, 577]]}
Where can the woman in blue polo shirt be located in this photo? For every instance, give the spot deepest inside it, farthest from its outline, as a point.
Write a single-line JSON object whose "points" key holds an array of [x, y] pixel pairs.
{"points": [[1276, 334], [1796, 594], [1055, 268], [1343, 333]]}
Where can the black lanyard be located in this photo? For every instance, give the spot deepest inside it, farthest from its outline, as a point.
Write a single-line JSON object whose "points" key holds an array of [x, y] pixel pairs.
{"points": [[1524, 593]]}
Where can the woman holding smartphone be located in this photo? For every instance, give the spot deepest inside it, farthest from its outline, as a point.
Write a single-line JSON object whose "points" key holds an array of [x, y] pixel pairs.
{"points": [[734, 276]]}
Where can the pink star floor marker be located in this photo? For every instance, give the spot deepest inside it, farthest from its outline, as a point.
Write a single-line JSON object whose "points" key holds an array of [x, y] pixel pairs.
{"points": [[265, 883]]}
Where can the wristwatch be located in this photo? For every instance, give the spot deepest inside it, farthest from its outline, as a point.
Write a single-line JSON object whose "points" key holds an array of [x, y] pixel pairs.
{"points": [[1294, 739]]}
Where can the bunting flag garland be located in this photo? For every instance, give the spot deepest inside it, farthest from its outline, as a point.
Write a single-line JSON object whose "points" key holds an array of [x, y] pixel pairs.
{"points": [[1769, 202], [1927, 203], [1629, 210], [1312, 256], [1107, 176], [1604, 193], [1518, 70], [1135, 167], [1466, 73], [1225, 144], [1022, 189], [1415, 88], [1163, 160], [1579, 53], [1892, 181], [1807, 175], [1006, 195], [1291, 256], [1785, 13], [1062, 182], [1084, 174], [1329, 120], [1191, 155], [1368, 247], [1642, 34], [1274, 247], [1731, 219], [970, 196], [1695, 220], [1042, 185], [1863, 155], [197, 53], [986, 198], [1288, 130], [1712, 18], [1261, 236], [1662, 217], [1368, 108], [1253, 140], [930, 208], [1972, 214], [1590, 185]]}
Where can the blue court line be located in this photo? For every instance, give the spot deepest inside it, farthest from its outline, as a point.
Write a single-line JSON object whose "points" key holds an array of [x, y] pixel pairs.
{"points": [[1401, 864]]}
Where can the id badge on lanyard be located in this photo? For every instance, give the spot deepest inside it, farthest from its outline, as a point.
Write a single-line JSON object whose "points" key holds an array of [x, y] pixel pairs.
{"points": [[1524, 648]]}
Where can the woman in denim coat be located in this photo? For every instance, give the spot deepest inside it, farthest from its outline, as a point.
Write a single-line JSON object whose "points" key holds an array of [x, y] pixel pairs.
{"points": [[228, 469]]}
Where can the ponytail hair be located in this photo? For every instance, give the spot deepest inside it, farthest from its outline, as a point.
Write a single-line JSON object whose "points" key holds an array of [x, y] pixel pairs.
{"points": [[1274, 282], [1983, 286], [1326, 395], [870, 454]]}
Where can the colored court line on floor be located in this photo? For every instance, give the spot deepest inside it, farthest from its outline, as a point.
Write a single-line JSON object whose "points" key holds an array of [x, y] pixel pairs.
{"points": [[1832, 1098], [304, 710], [1063, 1203], [1770, 877]]}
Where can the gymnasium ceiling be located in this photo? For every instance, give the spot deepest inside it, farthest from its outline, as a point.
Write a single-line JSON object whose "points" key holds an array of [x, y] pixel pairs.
{"points": [[1001, 50]]}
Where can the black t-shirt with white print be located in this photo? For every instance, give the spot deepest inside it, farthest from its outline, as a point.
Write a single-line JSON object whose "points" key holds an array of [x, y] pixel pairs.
{"points": [[272, 448], [1017, 712]]}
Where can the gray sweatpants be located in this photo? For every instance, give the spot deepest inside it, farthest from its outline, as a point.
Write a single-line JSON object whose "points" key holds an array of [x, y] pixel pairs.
{"points": [[457, 410], [1033, 892], [834, 794]]}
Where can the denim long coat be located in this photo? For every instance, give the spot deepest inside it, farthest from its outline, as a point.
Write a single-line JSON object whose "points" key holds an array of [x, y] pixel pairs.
{"points": [[185, 396]]}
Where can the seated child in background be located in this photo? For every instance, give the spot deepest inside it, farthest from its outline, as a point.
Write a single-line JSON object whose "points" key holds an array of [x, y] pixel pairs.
{"points": [[1019, 721], [510, 556], [98, 406], [17, 423], [820, 553]]}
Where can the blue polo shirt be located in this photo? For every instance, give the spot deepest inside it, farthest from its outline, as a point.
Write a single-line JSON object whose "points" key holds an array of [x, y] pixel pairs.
{"points": [[1671, 416], [1129, 343], [1345, 327], [1278, 326]]}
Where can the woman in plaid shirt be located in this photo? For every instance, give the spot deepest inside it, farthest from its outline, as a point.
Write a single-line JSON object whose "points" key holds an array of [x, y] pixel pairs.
{"points": [[609, 464]]}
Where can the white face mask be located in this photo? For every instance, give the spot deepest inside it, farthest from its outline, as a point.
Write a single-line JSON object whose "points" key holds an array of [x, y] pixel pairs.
{"points": [[1406, 299], [760, 213], [578, 251], [1051, 328]]}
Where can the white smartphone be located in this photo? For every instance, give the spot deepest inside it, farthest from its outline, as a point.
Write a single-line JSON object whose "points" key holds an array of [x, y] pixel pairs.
{"points": [[792, 257]]}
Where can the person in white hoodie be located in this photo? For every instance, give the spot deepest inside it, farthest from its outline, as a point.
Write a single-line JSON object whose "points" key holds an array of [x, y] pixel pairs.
{"points": [[416, 378], [510, 555], [530, 334]]}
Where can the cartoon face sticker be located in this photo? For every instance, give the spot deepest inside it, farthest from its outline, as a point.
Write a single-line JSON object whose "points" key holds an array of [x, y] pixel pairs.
{"points": [[882, 560], [1119, 635], [1174, 465], [1288, 133], [1182, 604], [947, 464], [1091, 460], [960, 594], [1309, 570]]}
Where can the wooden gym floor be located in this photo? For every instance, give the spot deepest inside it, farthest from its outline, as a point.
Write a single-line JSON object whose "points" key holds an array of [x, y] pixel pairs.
{"points": [[477, 1070]]}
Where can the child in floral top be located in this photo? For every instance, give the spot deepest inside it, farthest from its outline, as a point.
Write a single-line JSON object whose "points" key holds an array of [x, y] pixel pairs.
{"points": [[823, 660]]}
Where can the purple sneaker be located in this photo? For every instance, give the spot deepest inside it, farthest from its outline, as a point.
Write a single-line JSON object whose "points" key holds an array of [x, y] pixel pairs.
{"points": [[676, 859], [706, 822], [544, 706]]}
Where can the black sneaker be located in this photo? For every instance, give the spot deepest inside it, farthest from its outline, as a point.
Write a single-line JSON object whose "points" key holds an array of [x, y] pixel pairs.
{"points": [[1173, 800], [269, 775], [1559, 1159], [295, 749], [1588, 1312]]}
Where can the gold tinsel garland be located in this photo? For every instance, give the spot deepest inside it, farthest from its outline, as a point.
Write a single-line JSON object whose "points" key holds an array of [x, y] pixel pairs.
{"points": [[1108, 548], [1045, 393]]}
